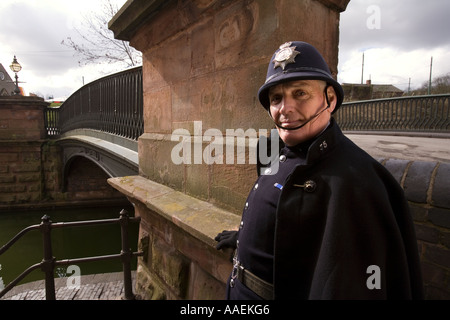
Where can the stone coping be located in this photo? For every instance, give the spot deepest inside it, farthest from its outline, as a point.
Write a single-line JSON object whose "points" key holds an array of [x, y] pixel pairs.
{"points": [[132, 15], [199, 218]]}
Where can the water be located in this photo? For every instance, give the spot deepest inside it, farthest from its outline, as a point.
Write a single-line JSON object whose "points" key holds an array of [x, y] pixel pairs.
{"points": [[67, 243]]}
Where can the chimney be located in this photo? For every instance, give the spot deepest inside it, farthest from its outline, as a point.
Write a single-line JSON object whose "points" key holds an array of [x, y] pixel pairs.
{"points": [[368, 82]]}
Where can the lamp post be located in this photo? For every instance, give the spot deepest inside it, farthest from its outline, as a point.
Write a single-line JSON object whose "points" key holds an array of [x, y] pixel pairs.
{"points": [[16, 67]]}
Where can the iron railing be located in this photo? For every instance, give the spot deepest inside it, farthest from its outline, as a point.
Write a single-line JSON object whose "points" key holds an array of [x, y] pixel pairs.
{"points": [[48, 263], [112, 104], [405, 114]]}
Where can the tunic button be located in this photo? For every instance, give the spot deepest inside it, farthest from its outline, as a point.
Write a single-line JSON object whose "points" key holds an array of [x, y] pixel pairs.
{"points": [[246, 205], [268, 171], [282, 158], [256, 187], [310, 186], [242, 224]]}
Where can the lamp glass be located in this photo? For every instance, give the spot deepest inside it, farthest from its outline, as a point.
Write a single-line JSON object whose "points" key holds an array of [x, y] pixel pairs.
{"points": [[15, 66]]}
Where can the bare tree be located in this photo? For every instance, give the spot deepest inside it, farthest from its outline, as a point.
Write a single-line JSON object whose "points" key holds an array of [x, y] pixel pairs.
{"points": [[439, 85], [97, 43]]}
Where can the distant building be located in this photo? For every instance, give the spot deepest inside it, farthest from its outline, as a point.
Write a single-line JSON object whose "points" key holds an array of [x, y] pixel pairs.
{"points": [[368, 91], [7, 85]]}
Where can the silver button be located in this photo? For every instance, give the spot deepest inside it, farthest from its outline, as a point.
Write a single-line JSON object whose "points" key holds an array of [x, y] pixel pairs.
{"points": [[246, 205], [268, 171], [255, 187], [282, 158], [242, 224]]}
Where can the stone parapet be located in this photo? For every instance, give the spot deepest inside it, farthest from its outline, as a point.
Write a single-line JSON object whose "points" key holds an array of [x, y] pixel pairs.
{"points": [[22, 132], [177, 236], [427, 185], [22, 118]]}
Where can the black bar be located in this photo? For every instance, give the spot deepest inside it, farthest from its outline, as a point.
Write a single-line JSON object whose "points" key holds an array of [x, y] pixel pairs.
{"points": [[48, 263], [17, 237], [126, 257]]}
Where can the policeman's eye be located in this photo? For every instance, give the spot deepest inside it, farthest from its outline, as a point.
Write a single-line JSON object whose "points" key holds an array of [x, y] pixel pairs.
{"points": [[299, 93], [275, 99]]}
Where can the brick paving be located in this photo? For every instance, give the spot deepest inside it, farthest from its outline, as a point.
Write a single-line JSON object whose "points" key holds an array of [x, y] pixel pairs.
{"points": [[105, 286]]}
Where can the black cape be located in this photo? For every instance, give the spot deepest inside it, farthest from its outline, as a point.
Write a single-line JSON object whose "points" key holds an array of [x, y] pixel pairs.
{"points": [[350, 234]]}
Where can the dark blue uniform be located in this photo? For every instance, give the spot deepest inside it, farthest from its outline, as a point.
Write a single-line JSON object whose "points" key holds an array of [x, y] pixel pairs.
{"points": [[318, 243], [257, 228], [315, 228]]}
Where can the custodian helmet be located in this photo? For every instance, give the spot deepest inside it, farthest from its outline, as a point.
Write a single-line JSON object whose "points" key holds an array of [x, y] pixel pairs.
{"points": [[297, 60]]}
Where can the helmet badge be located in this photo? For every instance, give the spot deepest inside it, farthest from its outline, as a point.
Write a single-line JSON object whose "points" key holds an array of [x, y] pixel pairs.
{"points": [[285, 56]]}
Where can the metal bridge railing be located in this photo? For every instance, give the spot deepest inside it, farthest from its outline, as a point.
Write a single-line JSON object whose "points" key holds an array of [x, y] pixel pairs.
{"points": [[112, 104], [48, 263], [418, 114]]}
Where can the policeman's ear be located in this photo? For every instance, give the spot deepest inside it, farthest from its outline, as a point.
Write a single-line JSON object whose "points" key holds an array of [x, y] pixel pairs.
{"points": [[332, 98]]}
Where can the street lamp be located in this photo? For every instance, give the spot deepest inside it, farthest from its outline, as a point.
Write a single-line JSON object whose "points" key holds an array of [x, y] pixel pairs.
{"points": [[16, 67]]}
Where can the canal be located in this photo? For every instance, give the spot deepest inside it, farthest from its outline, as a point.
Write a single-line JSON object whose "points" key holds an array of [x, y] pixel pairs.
{"points": [[67, 243]]}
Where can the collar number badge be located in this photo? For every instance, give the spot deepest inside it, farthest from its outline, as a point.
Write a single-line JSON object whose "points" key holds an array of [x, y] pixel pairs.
{"points": [[285, 56]]}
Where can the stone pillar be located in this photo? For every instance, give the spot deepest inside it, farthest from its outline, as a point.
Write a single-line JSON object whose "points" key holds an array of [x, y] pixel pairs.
{"points": [[22, 131], [203, 62]]}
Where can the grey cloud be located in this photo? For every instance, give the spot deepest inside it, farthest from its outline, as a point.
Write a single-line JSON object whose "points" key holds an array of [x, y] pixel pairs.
{"points": [[404, 25], [36, 37]]}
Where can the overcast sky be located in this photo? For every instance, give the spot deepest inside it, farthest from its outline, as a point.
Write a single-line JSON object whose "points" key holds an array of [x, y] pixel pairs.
{"points": [[397, 37], [399, 46]]}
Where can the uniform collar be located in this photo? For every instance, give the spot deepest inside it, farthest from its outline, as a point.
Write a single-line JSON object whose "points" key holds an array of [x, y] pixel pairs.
{"points": [[324, 143], [318, 146]]}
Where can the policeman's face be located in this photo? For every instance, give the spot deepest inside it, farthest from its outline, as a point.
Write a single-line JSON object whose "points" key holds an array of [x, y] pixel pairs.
{"points": [[293, 103]]}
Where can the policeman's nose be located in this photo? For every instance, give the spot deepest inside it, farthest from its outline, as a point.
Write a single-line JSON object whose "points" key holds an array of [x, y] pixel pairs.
{"points": [[287, 105]]}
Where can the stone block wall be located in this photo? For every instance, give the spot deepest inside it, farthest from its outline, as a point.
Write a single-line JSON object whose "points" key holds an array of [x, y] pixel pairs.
{"points": [[31, 165], [21, 137], [20, 172], [427, 188]]}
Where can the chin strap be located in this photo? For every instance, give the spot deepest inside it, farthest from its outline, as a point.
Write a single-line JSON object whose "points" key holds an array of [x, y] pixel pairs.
{"points": [[309, 120]]}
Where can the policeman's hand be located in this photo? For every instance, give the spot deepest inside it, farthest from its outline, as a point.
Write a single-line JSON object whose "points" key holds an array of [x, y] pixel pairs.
{"points": [[226, 239]]}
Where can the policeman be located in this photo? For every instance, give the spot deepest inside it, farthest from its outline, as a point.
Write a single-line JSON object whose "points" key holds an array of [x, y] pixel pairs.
{"points": [[323, 213]]}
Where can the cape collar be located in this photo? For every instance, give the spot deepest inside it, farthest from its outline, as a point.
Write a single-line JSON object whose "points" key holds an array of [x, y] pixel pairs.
{"points": [[319, 146]]}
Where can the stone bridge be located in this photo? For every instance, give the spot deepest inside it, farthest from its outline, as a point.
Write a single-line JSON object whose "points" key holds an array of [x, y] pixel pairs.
{"points": [[113, 137]]}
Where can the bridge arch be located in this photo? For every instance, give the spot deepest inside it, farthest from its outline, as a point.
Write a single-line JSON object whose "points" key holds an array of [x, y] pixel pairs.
{"points": [[112, 159], [86, 179]]}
